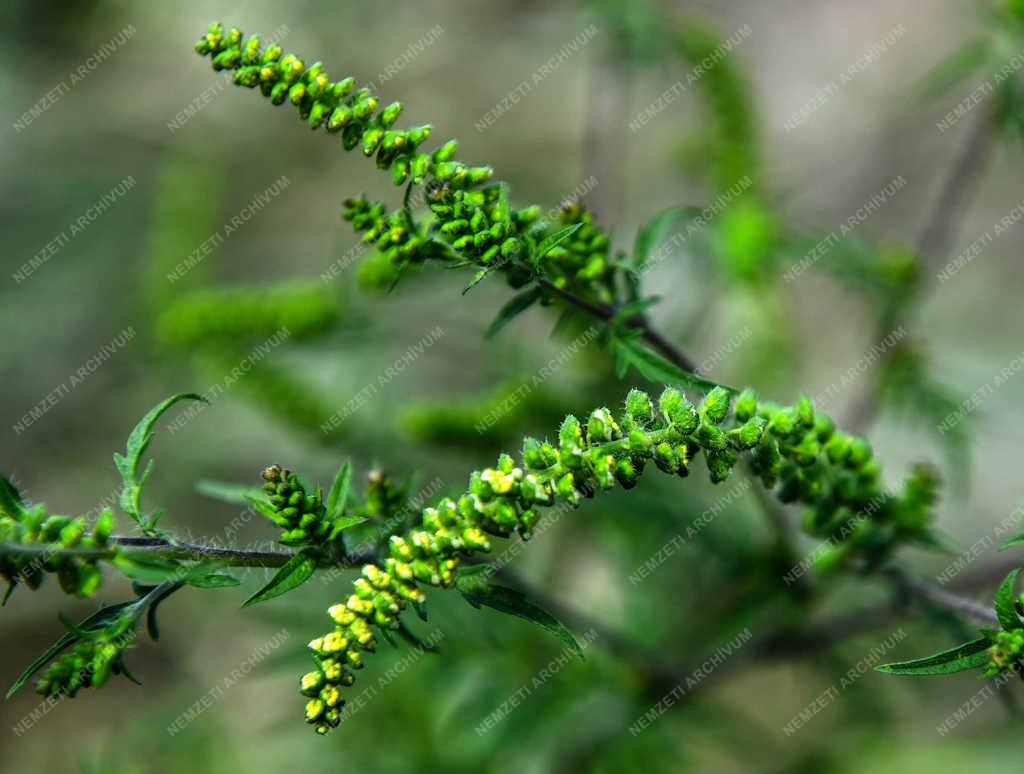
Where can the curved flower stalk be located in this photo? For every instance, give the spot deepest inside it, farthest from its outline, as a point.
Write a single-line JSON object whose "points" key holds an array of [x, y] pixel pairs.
{"points": [[472, 223], [802, 454]]}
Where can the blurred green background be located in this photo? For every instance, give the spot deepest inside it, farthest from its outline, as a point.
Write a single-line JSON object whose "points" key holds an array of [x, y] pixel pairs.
{"points": [[122, 119]]}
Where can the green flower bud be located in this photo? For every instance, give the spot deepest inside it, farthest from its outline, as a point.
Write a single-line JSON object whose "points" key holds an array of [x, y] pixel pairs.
{"points": [[446, 152], [838, 447], [639, 407], [390, 114], [570, 438], [803, 413], [746, 406], [782, 424], [665, 458], [860, 452], [678, 411], [748, 435], [710, 437], [720, 465], [601, 426], [626, 473], [716, 405], [566, 489]]}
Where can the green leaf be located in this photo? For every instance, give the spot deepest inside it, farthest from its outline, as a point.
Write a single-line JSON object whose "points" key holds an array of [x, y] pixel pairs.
{"points": [[236, 494], [128, 463], [343, 523], [515, 306], [51, 652], [213, 580], [11, 501], [94, 622], [953, 70], [969, 655], [630, 352], [151, 622], [481, 592], [651, 234], [262, 505], [410, 637], [479, 277], [292, 574], [1011, 542], [469, 570], [550, 242], [146, 569], [1006, 603], [338, 495]]}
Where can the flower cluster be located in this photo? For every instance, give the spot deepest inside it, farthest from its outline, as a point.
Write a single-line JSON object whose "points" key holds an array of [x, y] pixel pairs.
{"points": [[472, 221], [91, 662], [1004, 655], [835, 475], [50, 544], [300, 514]]}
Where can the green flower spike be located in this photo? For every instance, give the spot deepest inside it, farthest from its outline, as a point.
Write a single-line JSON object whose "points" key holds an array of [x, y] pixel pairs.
{"points": [[470, 221], [787, 445]]}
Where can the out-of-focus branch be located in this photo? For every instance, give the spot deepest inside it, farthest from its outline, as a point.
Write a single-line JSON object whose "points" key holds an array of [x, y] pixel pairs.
{"points": [[933, 245]]}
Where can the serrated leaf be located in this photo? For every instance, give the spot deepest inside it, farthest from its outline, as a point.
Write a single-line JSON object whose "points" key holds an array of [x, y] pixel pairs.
{"points": [[651, 234], [515, 306], [97, 620], [552, 241], [338, 495], [11, 501], [236, 494], [479, 592], [969, 655], [292, 574], [146, 569], [128, 463], [1006, 603], [630, 352]]}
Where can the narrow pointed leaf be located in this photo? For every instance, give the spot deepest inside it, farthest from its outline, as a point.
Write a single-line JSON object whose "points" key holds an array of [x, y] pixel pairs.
{"points": [[515, 306], [338, 495], [1006, 603], [550, 242], [148, 570], [213, 580], [654, 232], [97, 620], [630, 352], [236, 494], [506, 600], [343, 523], [293, 574], [11, 501], [969, 655]]}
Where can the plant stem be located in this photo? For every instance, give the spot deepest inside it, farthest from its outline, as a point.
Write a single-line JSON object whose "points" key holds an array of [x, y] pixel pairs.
{"points": [[649, 333]]}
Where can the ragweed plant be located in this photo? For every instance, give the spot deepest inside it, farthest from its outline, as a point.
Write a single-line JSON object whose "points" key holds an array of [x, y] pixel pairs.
{"points": [[453, 213]]}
